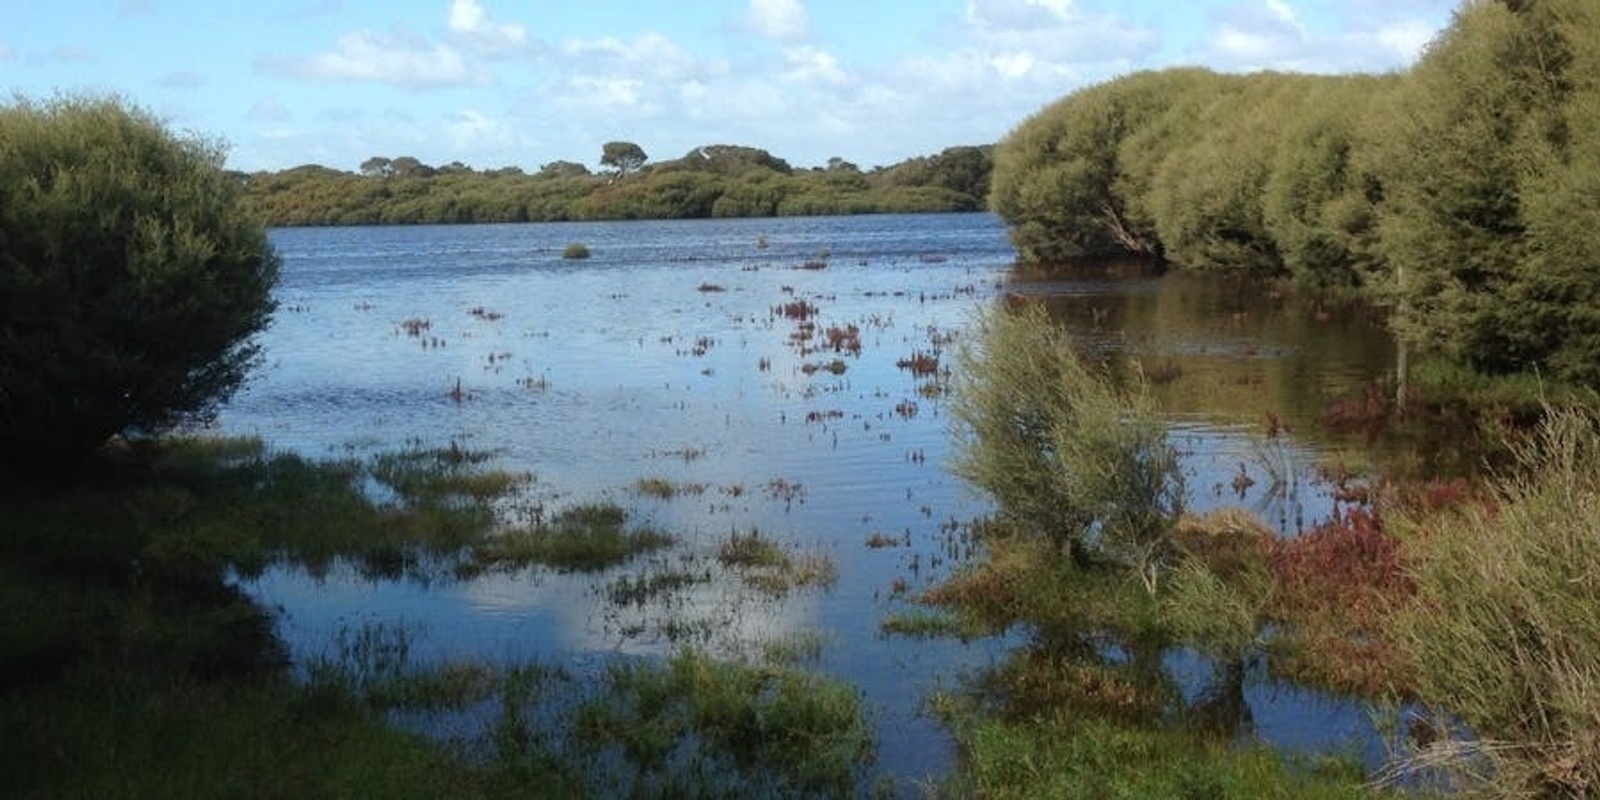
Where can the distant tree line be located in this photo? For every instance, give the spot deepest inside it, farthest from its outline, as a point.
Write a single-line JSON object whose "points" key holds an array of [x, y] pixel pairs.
{"points": [[1464, 193], [709, 181]]}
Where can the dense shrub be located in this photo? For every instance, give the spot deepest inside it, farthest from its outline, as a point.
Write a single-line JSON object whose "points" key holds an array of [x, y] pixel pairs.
{"points": [[1503, 627], [1068, 457], [1458, 194], [131, 280]]}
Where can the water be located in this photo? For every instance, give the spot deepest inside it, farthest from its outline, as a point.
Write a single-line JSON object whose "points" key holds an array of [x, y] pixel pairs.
{"points": [[666, 354]]}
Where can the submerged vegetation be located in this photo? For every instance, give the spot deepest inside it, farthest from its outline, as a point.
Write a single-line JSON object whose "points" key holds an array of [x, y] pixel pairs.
{"points": [[133, 667]]}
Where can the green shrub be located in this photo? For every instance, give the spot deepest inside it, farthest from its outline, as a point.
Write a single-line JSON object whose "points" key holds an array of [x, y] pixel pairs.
{"points": [[131, 280], [1504, 629], [1067, 456]]}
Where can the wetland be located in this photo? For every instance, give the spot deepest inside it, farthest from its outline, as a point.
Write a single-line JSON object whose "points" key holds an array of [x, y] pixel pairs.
{"points": [[767, 398]]}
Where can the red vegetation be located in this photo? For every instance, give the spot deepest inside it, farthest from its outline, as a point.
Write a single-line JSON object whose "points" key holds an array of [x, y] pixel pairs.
{"points": [[1336, 588]]}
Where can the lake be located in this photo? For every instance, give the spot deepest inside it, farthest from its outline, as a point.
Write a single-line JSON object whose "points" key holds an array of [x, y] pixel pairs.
{"points": [[698, 353]]}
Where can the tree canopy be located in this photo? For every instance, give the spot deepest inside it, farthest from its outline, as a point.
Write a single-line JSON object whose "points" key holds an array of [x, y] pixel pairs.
{"points": [[1460, 193], [131, 278], [717, 180], [624, 157]]}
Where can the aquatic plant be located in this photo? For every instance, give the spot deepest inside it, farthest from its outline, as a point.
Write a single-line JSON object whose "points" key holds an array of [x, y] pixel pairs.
{"points": [[584, 538], [1068, 457], [796, 310], [920, 363], [575, 250]]}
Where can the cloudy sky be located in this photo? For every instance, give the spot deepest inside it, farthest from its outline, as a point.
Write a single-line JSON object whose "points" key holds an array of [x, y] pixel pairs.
{"points": [[494, 83]]}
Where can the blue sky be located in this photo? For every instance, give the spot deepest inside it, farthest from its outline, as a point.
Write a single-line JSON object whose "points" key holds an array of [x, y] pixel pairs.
{"points": [[494, 83]]}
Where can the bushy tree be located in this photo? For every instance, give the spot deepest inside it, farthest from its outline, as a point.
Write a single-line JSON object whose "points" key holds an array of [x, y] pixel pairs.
{"points": [[1065, 454], [624, 157], [131, 280], [1064, 180], [1488, 166]]}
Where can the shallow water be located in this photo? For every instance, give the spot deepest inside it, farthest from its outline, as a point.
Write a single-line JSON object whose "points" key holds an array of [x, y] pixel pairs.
{"points": [[666, 354]]}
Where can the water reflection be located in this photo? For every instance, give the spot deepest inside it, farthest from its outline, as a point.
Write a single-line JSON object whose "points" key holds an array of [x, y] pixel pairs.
{"points": [[667, 354]]}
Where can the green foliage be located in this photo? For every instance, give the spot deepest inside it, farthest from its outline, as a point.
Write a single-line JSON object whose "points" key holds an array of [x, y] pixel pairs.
{"points": [[1060, 177], [1068, 755], [1320, 203], [131, 278], [585, 538], [1068, 457], [1503, 626], [575, 251], [709, 181], [697, 726], [1489, 239], [624, 157], [1459, 194]]}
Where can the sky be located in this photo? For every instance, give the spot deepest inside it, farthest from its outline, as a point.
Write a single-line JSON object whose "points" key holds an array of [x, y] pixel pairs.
{"points": [[522, 83]]}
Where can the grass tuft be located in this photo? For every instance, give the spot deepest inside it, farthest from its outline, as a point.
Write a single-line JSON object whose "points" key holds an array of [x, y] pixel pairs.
{"points": [[586, 538]]}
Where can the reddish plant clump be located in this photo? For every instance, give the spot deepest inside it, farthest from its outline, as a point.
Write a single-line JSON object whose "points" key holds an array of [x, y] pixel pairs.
{"points": [[797, 310], [1336, 589]]}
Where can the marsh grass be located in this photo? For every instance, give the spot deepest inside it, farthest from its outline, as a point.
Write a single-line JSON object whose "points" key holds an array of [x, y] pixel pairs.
{"points": [[132, 669], [921, 623], [641, 590], [444, 475], [1503, 626], [664, 489], [374, 664], [585, 538], [715, 728], [1068, 755], [775, 568], [688, 725]]}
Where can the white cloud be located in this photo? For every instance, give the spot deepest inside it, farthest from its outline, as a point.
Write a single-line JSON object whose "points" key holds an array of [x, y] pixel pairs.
{"points": [[810, 65], [470, 22], [393, 59], [778, 19], [1270, 34], [1284, 13], [607, 94]]}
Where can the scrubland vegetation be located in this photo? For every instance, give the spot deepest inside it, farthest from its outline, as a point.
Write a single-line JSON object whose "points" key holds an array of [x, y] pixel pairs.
{"points": [[709, 181], [1458, 194], [1464, 606]]}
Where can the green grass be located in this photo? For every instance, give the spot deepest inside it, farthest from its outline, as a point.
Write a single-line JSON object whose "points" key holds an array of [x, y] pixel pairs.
{"points": [[920, 623], [586, 538], [773, 568], [1066, 755], [697, 726]]}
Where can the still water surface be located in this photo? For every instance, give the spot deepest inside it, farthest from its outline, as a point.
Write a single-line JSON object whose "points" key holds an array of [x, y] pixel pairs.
{"points": [[667, 355]]}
